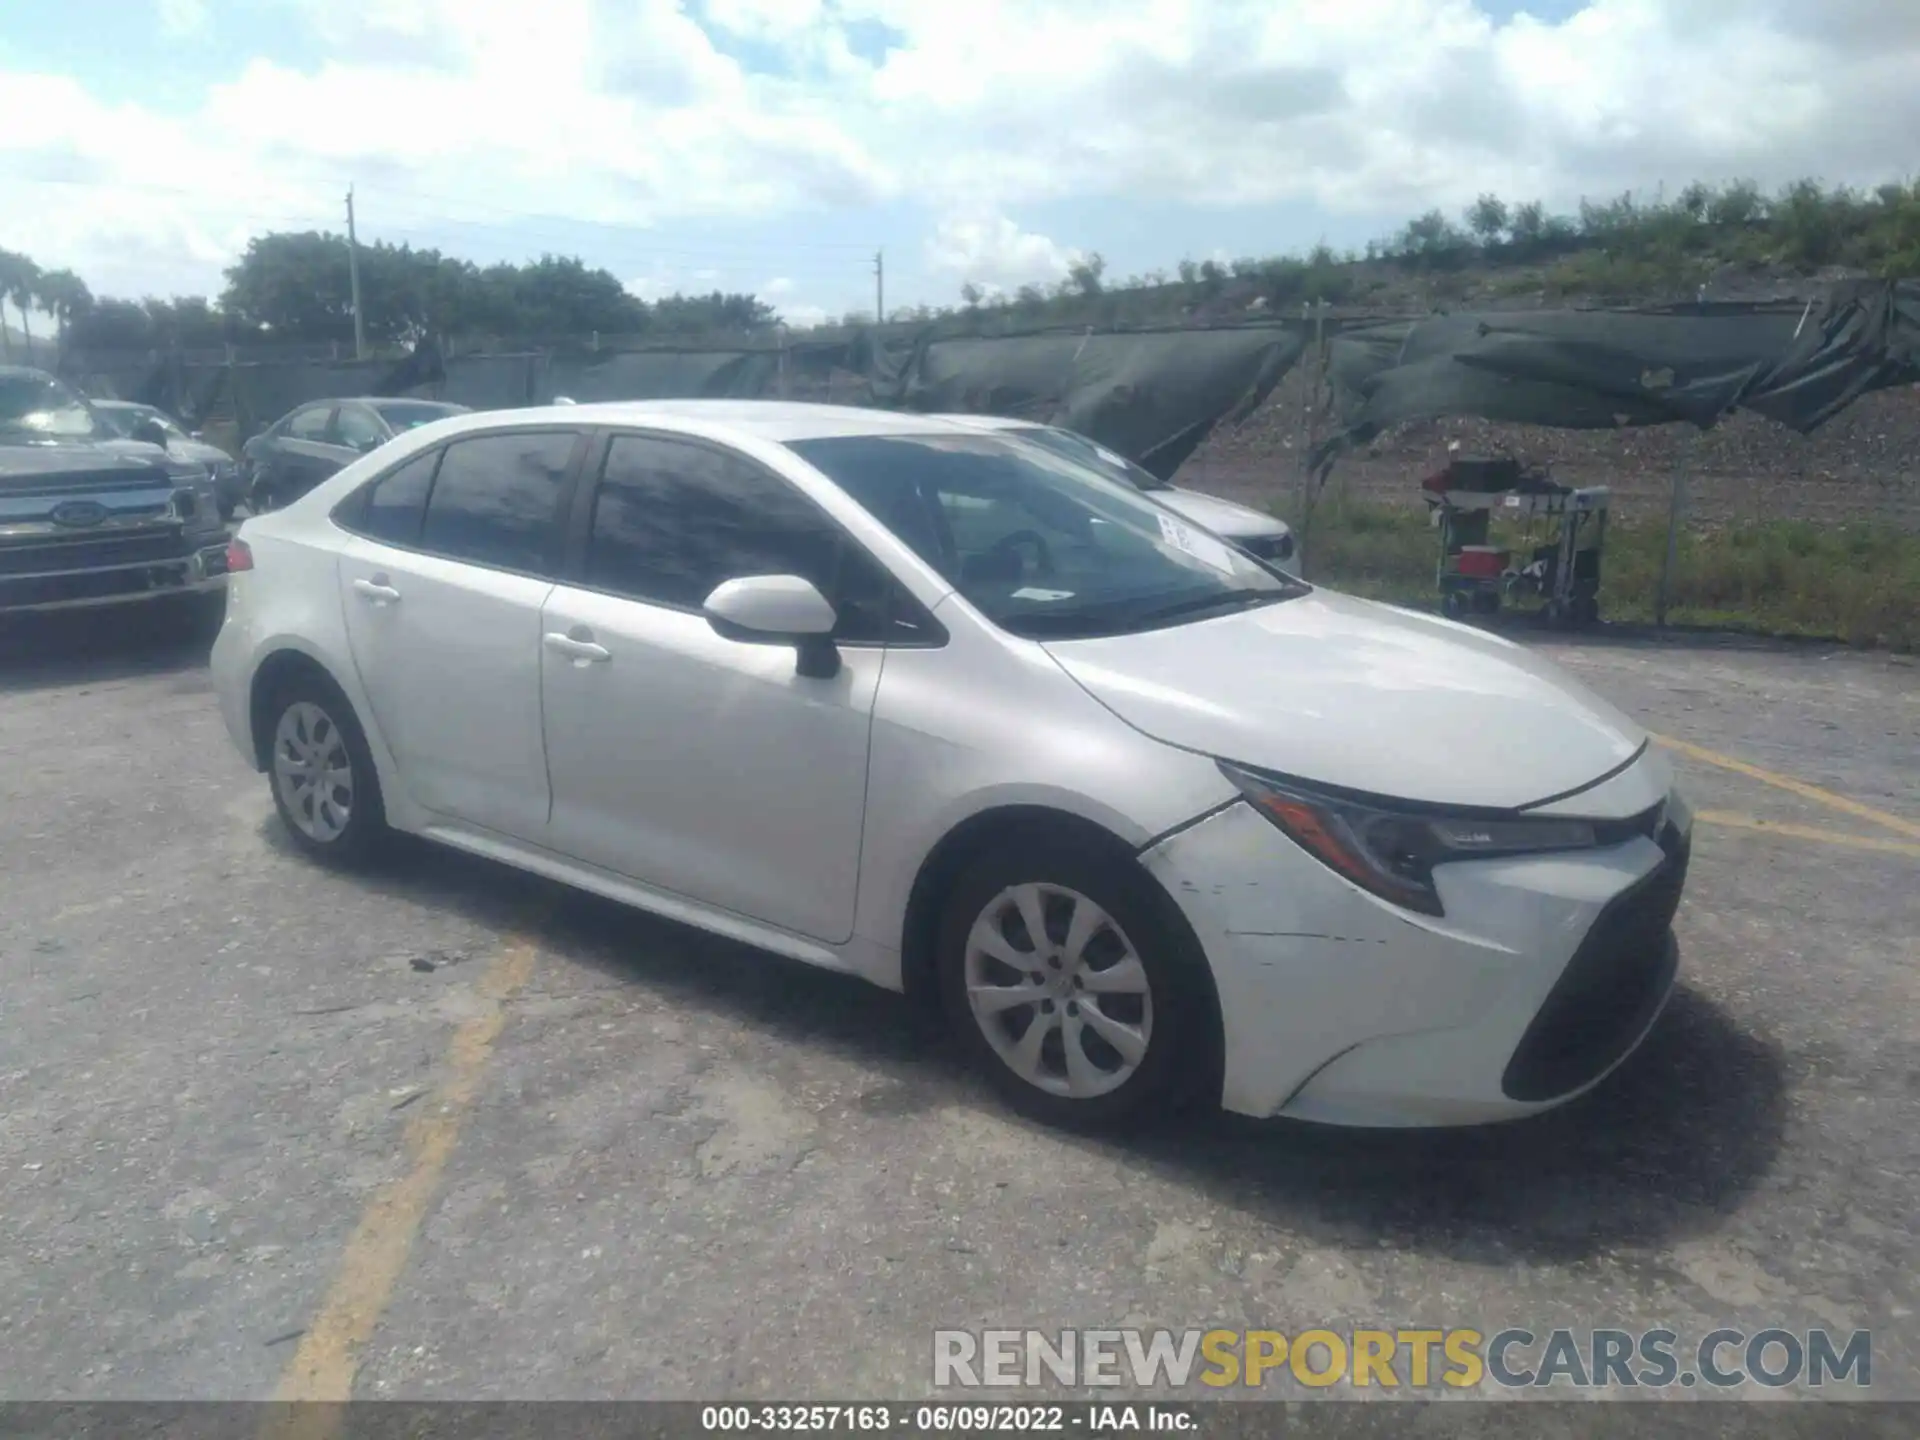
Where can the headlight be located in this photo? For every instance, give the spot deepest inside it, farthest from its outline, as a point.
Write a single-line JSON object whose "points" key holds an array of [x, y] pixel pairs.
{"points": [[193, 492], [1393, 853]]}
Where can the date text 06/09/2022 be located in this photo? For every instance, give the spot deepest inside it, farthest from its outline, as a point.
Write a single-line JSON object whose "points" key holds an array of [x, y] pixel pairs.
{"points": [[1087, 1418]]}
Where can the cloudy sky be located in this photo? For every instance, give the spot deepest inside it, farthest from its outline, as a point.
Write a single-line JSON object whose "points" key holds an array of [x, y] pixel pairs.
{"points": [[775, 145]]}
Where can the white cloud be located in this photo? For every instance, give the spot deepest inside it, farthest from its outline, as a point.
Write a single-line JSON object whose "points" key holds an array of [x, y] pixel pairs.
{"points": [[776, 287], [994, 253], [627, 112], [766, 19], [180, 19], [800, 317]]}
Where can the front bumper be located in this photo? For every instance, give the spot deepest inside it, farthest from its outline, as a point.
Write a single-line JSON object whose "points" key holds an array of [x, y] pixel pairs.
{"points": [[202, 570], [1337, 1007]]}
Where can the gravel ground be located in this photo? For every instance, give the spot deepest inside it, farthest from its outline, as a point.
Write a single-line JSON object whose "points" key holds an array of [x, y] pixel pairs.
{"points": [[656, 1165]]}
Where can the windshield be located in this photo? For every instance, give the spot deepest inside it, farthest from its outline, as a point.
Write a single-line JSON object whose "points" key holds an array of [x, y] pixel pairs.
{"points": [[1078, 447], [404, 415], [1045, 546], [122, 418], [41, 405]]}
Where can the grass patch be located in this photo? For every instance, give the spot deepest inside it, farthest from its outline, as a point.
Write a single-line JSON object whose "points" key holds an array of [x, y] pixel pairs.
{"points": [[1859, 582]]}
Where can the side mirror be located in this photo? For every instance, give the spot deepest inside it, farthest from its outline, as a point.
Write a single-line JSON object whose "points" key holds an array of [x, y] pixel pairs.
{"points": [[150, 432], [778, 610]]}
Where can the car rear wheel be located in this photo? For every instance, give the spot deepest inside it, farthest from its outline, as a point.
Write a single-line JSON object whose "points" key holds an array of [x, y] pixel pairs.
{"points": [[322, 774], [1082, 1000]]}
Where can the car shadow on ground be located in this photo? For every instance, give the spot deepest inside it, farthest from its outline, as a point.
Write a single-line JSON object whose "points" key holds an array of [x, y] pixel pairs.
{"points": [[82, 647], [1676, 1137]]}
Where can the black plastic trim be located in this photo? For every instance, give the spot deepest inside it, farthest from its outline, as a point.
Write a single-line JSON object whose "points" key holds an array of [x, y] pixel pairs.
{"points": [[1398, 806], [1611, 989]]}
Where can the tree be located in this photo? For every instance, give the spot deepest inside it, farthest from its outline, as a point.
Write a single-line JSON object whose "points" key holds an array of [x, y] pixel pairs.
{"points": [[1528, 224], [296, 286], [1488, 219], [1085, 272], [1433, 240], [19, 283], [110, 324], [1740, 204], [66, 297], [972, 294]]}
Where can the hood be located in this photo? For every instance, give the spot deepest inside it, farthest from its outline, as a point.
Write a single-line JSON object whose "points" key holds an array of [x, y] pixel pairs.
{"points": [[1363, 696], [200, 451], [39, 462], [1223, 517]]}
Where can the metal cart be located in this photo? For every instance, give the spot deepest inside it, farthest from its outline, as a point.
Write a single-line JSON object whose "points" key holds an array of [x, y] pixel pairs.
{"points": [[1561, 569]]}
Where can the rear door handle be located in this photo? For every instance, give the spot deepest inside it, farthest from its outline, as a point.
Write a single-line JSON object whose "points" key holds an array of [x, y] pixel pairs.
{"points": [[376, 591], [575, 648]]}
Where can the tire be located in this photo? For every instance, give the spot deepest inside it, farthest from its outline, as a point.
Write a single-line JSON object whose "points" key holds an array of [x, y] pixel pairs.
{"points": [[1151, 987], [310, 724]]}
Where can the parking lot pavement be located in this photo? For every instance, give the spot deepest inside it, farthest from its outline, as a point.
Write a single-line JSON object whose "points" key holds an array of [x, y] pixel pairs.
{"points": [[455, 1133]]}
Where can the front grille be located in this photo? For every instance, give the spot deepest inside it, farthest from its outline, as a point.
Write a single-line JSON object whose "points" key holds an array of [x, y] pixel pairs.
{"points": [[92, 585], [1609, 991], [93, 552], [1619, 832]]}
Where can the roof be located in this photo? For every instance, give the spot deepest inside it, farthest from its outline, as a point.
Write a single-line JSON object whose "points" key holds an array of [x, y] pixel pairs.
{"points": [[30, 372], [994, 422], [776, 420]]}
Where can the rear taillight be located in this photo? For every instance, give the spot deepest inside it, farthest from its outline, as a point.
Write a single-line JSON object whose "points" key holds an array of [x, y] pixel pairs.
{"points": [[239, 556]]}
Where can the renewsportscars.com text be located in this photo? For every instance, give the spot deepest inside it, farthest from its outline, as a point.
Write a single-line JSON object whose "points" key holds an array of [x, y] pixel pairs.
{"points": [[1457, 1358]]}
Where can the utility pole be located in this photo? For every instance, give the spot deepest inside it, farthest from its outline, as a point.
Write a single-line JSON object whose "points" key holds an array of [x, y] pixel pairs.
{"points": [[353, 279], [879, 287]]}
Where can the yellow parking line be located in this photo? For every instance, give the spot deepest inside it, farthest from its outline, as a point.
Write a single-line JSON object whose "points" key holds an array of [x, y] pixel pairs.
{"points": [[323, 1368], [1726, 819], [1792, 786]]}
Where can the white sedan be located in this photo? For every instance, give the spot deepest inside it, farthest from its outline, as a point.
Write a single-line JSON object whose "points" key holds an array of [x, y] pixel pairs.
{"points": [[970, 719]]}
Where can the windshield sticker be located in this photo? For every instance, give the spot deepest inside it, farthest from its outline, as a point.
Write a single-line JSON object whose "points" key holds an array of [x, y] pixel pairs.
{"points": [[1030, 593], [1203, 548]]}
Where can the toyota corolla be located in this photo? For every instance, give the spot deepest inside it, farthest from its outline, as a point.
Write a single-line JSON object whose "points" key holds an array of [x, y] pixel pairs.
{"points": [[972, 719]]}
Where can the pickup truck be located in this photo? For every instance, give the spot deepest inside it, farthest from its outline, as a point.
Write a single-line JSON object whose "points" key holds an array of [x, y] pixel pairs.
{"points": [[89, 518]]}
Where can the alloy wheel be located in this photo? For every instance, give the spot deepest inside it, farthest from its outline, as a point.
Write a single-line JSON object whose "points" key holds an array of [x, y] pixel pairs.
{"points": [[1058, 991], [313, 771]]}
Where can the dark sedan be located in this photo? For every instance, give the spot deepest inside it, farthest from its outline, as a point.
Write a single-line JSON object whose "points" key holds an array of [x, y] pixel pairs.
{"points": [[314, 440]]}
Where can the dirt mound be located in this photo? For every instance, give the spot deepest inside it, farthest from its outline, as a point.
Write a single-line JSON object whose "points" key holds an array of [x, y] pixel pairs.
{"points": [[1863, 465]]}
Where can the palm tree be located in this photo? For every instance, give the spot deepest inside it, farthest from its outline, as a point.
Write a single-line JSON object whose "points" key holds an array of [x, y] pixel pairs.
{"points": [[10, 264], [65, 295], [20, 283]]}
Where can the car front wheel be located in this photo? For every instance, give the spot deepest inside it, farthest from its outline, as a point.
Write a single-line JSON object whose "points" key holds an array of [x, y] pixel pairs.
{"points": [[323, 779], [1081, 998]]}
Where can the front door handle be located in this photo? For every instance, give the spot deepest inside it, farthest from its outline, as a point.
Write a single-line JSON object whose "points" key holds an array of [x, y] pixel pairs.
{"points": [[576, 647], [377, 591]]}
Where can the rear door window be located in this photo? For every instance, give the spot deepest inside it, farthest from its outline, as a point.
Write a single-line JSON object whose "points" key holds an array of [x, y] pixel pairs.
{"points": [[496, 500], [310, 424], [358, 429], [392, 508]]}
